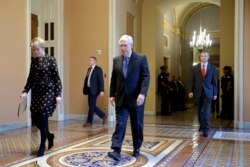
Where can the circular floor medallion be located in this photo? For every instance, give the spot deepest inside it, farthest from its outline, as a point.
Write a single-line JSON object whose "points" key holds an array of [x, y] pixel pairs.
{"points": [[94, 158]]}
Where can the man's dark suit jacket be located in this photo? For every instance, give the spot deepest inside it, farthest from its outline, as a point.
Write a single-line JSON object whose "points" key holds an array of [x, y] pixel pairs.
{"points": [[135, 83], [96, 82], [209, 83]]}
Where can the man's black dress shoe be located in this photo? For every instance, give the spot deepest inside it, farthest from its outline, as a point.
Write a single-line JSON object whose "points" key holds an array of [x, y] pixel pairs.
{"points": [[205, 134], [200, 129], [114, 155], [136, 153]]}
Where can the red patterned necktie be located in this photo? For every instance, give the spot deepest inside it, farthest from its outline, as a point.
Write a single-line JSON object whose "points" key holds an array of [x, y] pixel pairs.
{"points": [[203, 71]]}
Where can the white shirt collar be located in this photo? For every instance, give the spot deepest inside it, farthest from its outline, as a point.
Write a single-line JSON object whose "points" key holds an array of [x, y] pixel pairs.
{"points": [[204, 64], [129, 55]]}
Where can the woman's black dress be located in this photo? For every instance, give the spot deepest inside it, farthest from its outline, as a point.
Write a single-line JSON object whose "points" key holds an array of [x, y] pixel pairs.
{"points": [[45, 85]]}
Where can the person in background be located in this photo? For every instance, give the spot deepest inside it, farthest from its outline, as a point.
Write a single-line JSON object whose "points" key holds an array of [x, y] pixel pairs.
{"points": [[175, 94], [128, 89], [94, 86], [163, 89], [227, 86], [216, 103], [203, 87], [182, 93], [46, 88]]}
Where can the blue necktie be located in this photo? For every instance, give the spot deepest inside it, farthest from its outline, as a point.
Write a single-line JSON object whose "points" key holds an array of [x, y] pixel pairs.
{"points": [[125, 66]]}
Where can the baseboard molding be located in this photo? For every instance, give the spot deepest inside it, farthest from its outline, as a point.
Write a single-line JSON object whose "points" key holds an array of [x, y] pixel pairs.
{"points": [[150, 113], [12, 126], [111, 118], [78, 117], [246, 125]]}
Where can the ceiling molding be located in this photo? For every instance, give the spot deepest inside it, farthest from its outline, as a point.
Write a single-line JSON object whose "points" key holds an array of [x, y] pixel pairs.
{"points": [[177, 31], [189, 11]]}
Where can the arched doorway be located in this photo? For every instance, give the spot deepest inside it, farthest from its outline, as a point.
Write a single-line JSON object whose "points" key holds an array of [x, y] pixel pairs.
{"points": [[175, 14]]}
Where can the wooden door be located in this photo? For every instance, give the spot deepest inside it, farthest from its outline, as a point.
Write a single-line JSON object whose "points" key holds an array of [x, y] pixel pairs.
{"points": [[34, 26]]}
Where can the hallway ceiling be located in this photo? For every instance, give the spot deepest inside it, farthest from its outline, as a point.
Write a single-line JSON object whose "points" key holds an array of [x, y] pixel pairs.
{"points": [[182, 7]]}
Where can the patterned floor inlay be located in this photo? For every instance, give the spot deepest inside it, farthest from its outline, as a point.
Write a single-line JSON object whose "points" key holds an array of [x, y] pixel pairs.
{"points": [[168, 158], [18, 144], [77, 126], [169, 141], [168, 131], [91, 158], [232, 136], [225, 153], [93, 152], [22, 143]]}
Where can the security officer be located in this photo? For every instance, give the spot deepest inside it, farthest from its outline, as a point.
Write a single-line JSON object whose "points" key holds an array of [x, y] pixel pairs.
{"points": [[227, 86], [163, 89]]}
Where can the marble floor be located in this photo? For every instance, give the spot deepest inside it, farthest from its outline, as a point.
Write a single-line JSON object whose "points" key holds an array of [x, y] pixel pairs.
{"points": [[168, 141]]}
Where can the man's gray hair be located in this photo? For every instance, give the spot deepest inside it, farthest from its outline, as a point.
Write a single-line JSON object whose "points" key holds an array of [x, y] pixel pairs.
{"points": [[126, 38]]}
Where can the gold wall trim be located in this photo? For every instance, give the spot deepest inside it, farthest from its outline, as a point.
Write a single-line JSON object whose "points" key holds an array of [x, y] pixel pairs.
{"points": [[177, 30], [171, 27]]}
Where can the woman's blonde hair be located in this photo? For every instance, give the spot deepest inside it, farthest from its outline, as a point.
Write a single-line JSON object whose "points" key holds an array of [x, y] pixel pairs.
{"points": [[37, 42]]}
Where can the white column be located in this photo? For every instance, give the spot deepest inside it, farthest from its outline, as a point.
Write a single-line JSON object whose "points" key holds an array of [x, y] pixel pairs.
{"points": [[112, 50], [238, 64]]}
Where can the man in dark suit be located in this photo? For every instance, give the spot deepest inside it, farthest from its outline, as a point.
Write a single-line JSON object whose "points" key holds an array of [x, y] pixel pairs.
{"points": [[94, 86], [128, 88], [203, 87], [164, 90], [227, 89], [175, 95]]}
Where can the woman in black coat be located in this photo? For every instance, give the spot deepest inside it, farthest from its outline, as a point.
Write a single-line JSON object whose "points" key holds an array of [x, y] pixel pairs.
{"points": [[45, 83]]}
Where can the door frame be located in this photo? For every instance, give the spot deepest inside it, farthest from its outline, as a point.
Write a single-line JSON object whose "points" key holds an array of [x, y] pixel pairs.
{"points": [[59, 114]]}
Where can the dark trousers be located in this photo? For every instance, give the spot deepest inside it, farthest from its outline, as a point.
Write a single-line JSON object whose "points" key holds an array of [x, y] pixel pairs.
{"points": [[164, 103], [42, 123], [204, 112], [93, 109], [227, 111], [216, 105], [136, 120], [175, 102]]}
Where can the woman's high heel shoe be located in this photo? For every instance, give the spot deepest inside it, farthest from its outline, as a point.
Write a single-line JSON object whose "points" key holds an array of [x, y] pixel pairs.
{"points": [[41, 151], [51, 141]]}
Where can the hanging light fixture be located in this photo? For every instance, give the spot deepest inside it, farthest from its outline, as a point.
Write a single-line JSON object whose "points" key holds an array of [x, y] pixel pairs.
{"points": [[202, 40]]}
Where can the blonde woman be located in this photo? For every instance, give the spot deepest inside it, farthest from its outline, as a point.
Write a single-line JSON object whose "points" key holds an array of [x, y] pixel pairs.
{"points": [[45, 85]]}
